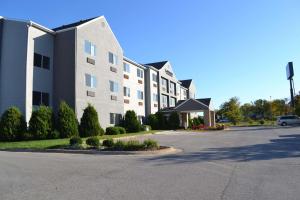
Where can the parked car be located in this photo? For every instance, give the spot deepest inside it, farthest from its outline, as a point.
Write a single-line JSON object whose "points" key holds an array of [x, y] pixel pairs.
{"points": [[288, 120]]}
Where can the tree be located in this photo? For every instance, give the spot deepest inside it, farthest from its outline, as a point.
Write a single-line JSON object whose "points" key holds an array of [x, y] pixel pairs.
{"points": [[247, 111], [67, 124], [131, 122], [174, 121], [231, 110], [89, 123], [12, 125], [41, 122]]}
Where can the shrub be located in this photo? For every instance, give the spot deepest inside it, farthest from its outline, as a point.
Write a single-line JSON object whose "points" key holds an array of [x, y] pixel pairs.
{"points": [[93, 141], [12, 125], [53, 135], [41, 122], [150, 144], [121, 130], [146, 128], [174, 121], [75, 140], [131, 123], [133, 145], [112, 130], [152, 121], [67, 123], [89, 123], [262, 121], [162, 121], [119, 145], [108, 143]]}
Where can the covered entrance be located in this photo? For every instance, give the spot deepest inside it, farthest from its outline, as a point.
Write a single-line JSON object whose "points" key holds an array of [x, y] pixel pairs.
{"points": [[187, 109]]}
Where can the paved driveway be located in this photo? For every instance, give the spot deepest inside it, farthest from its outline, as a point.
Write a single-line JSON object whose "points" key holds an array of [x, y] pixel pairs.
{"points": [[240, 164]]}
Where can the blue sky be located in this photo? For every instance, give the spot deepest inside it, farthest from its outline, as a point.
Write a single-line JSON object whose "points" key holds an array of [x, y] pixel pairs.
{"points": [[230, 48]]}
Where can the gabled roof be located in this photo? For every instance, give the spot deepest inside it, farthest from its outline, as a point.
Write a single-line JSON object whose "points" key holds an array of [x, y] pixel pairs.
{"points": [[205, 101], [74, 24], [186, 83], [157, 65]]}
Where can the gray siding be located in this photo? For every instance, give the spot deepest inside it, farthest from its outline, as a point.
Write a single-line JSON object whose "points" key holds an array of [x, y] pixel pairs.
{"points": [[13, 65], [64, 68]]}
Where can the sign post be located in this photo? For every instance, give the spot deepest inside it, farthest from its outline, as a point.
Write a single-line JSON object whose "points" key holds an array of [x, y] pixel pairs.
{"points": [[290, 75]]}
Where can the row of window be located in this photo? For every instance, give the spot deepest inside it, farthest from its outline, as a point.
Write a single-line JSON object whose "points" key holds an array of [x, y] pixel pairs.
{"points": [[168, 102], [41, 61], [139, 72], [140, 94]]}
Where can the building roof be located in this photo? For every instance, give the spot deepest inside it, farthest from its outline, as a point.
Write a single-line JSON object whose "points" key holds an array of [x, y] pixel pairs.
{"points": [[74, 24], [205, 101], [157, 65], [186, 83]]}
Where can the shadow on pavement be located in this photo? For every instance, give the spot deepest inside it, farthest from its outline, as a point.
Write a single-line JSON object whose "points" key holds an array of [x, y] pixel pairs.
{"points": [[287, 146], [259, 128]]}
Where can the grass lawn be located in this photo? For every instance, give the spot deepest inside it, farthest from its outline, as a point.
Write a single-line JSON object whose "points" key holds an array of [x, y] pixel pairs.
{"points": [[47, 144]]}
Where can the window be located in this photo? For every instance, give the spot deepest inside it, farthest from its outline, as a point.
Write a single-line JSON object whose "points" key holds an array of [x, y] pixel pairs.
{"points": [[41, 61], [126, 67], [164, 101], [164, 83], [172, 102], [140, 95], [115, 118], [89, 48], [140, 73], [112, 58], [126, 92], [154, 77], [90, 81], [114, 87], [172, 88], [155, 97], [40, 98]]}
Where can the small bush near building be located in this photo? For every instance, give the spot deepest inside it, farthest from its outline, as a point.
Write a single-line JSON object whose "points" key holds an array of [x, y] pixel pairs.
{"points": [[162, 121], [53, 135], [262, 122], [93, 142], [12, 125], [89, 123], [152, 121], [174, 121], [75, 141], [112, 130], [121, 130], [108, 143], [131, 122], [150, 144], [67, 123], [41, 122]]}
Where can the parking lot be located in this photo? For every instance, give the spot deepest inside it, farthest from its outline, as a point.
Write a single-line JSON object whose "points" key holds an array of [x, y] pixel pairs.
{"points": [[241, 163]]}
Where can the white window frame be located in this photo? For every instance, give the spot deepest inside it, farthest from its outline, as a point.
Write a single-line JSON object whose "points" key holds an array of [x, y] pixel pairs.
{"points": [[140, 95], [140, 73], [113, 86], [126, 91], [126, 67]]}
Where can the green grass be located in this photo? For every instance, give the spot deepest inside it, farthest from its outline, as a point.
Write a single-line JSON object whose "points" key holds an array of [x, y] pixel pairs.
{"points": [[48, 144], [255, 123]]}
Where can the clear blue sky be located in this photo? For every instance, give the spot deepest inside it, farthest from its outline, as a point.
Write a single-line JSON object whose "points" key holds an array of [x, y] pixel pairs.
{"points": [[230, 48]]}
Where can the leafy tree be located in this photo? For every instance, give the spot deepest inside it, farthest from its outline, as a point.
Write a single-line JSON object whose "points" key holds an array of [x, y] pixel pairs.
{"points": [[131, 122], [247, 111], [89, 123], [231, 110], [12, 125], [174, 121], [67, 124], [41, 122]]}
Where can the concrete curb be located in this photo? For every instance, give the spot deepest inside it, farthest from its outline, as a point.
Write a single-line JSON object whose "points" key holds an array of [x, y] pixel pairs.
{"points": [[167, 150]]}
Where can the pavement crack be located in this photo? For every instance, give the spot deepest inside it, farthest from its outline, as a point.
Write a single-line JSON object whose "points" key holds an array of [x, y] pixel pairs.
{"points": [[228, 183]]}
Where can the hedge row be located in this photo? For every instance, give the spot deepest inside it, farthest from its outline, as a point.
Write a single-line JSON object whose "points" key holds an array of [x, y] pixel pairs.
{"points": [[43, 124], [159, 121]]}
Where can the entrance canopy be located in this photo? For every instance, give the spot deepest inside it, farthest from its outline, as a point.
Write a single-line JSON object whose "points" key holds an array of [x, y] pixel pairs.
{"points": [[186, 107]]}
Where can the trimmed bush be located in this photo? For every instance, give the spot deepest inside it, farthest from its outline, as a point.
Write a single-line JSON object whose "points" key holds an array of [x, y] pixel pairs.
{"points": [[162, 121], [67, 123], [108, 143], [112, 130], [75, 141], [150, 144], [89, 123], [153, 122], [41, 122], [121, 130], [262, 122], [12, 125], [131, 122], [53, 135], [93, 142], [174, 121]]}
